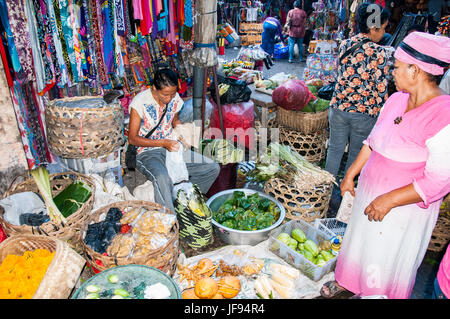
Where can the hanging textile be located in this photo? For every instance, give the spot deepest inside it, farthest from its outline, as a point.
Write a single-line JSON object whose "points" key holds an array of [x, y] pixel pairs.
{"points": [[30, 124], [97, 31], [120, 17], [19, 27], [88, 43], [10, 37]]}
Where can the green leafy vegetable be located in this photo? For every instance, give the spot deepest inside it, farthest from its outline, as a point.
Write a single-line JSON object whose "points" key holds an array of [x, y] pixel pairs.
{"points": [[42, 180]]}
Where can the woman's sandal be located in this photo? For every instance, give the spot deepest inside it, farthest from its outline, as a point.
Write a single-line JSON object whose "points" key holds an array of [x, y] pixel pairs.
{"points": [[333, 289]]}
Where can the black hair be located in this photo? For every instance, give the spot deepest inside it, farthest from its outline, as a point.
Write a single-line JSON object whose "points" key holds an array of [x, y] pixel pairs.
{"points": [[367, 14], [164, 77], [415, 27], [298, 4]]}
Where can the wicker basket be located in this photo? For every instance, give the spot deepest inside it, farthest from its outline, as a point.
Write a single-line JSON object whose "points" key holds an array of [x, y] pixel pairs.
{"points": [[63, 271], [70, 231], [311, 146], [441, 233], [304, 204], [82, 132], [305, 122], [163, 258]]}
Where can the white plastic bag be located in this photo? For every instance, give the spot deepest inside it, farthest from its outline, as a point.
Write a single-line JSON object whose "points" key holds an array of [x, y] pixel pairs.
{"points": [[21, 203], [145, 192], [176, 167], [345, 210]]}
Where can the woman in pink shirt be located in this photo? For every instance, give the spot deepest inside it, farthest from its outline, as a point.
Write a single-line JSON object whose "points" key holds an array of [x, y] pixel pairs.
{"points": [[404, 174]]}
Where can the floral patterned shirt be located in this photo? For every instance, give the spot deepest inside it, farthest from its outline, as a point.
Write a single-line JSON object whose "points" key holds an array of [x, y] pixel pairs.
{"points": [[150, 112], [362, 80]]}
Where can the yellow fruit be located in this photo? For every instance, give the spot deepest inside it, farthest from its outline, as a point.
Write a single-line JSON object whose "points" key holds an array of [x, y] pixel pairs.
{"points": [[189, 294], [229, 286], [206, 288]]}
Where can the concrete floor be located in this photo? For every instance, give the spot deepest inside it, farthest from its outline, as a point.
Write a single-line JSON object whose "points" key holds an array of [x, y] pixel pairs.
{"points": [[428, 269]]}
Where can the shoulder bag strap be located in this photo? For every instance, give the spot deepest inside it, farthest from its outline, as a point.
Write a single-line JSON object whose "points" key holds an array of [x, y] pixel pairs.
{"points": [[353, 48], [160, 120]]}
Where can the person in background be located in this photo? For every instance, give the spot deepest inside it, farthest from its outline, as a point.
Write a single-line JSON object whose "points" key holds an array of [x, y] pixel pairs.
{"points": [[436, 9], [404, 174], [271, 29], [147, 108], [442, 282], [445, 82], [296, 27], [415, 27], [360, 91]]}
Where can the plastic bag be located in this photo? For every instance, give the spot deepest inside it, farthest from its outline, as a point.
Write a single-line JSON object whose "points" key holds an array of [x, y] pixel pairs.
{"points": [[238, 91], [186, 113], [176, 167], [240, 117], [21, 203], [326, 92], [345, 210], [292, 95]]}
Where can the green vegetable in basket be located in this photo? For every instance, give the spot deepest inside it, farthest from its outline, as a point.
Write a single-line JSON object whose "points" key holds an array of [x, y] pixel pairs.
{"points": [[284, 238], [308, 255], [42, 179], [292, 243], [298, 235], [72, 197], [301, 247], [311, 247], [327, 255], [319, 261]]}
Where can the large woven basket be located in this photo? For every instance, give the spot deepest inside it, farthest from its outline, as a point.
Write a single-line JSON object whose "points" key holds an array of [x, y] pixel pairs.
{"points": [[312, 146], [83, 132], [71, 230], [163, 258], [305, 204], [441, 233], [305, 122], [63, 271]]}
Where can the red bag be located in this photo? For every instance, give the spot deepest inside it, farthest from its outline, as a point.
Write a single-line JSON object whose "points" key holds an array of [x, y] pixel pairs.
{"points": [[292, 95], [2, 234], [240, 117]]}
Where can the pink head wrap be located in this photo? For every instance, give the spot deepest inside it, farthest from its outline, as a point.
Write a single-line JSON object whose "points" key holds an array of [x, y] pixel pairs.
{"points": [[429, 52]]}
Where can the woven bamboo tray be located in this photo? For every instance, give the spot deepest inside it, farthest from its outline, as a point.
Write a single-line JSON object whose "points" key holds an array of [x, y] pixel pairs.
{"points": [[311, 146], [163, 258], [305, 122], [70, 231], [300, 204], [81, 132], [441, 233], [63, 271]]}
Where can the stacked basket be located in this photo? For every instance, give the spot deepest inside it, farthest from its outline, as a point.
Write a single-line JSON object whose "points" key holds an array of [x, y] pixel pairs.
{"points": [[305, 133], [86, 133]]}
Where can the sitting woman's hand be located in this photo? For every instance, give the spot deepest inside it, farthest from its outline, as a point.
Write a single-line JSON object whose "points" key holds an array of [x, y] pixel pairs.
{"points": [[347, 185], [172, 145]]}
